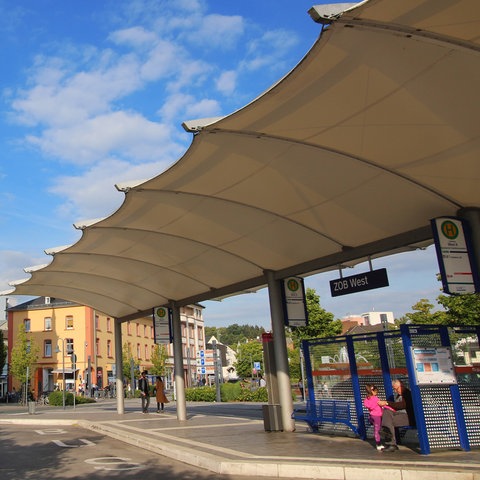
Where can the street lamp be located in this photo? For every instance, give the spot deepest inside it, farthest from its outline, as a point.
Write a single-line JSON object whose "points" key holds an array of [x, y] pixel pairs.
{"points": [[57, 350]]}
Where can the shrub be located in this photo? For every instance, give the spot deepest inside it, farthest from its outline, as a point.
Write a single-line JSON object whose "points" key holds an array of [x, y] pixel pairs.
{"points": [[230, 392], [258, 395], [201, 394], [56, 399]]}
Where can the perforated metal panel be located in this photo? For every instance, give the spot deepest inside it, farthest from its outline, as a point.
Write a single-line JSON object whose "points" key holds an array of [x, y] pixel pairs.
{"points": [[470, 395], [439, 414]]}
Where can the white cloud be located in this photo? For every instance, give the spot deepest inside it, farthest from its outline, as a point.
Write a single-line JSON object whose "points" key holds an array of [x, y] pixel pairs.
{"points": [[217, 31], [136, 36], [59, 97], [203, 108], [93, 194], [12, 264], [129, 134], [269, 50], [226, 82], [164, 61], [189, 107]]}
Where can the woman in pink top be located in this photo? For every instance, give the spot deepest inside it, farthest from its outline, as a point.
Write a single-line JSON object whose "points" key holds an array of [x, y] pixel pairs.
{"points": [[375, 412]]}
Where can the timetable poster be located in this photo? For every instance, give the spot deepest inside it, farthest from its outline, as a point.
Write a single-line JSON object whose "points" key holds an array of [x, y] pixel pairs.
{"points": [[434, 366]]}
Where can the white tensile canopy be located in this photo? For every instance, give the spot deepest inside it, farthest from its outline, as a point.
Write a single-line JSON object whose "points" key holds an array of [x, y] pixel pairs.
{"points": [[348, 157]]}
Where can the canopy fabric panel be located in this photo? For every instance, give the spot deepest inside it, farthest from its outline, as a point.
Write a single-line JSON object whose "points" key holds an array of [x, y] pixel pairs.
{"points": [[348, 157]]}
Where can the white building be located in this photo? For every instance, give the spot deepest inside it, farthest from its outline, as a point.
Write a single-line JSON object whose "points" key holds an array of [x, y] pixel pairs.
{"points": [[377, 318]]}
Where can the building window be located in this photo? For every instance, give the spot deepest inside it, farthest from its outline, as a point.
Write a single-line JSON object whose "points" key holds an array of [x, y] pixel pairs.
{"points": [[69, 322], [69, 346], [47, 323], [137, 329], [152, 332], [109, 324], [139, 351], [96, 322], [129, 328], [47, 348], [145, 331], [97, 347], [109, 348], [28, 346], [147, 353], [26, 324]]}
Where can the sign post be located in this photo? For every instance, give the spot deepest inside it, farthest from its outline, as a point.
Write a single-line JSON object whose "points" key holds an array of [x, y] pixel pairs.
{"points": [[294, 300], [161, 325], [452, 244]]}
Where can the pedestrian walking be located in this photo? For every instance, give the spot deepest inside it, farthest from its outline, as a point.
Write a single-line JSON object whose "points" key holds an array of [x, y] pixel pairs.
{"points": [[144, 387], [160, 394]]}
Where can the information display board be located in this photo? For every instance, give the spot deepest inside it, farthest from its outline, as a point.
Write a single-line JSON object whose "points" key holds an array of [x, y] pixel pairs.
{"points": [[434, 365]]}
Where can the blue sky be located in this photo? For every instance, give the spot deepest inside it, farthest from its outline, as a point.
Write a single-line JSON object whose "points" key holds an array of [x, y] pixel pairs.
{"points": [[94, 93]]}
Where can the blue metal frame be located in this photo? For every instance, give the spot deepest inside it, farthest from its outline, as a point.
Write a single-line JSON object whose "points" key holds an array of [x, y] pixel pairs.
{"points": [[357, 395], [456, 399], [415, 389], [408, 334]]}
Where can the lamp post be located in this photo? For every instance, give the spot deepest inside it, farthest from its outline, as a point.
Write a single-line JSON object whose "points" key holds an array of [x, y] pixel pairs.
{"points": [[57, 350]]}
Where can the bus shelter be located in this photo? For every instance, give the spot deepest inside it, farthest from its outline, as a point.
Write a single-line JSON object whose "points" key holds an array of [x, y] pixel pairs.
{"points": [[439, 364]]}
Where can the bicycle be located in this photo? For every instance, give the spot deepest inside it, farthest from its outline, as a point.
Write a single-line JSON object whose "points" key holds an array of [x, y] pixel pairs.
{"points": [[43, 399]]}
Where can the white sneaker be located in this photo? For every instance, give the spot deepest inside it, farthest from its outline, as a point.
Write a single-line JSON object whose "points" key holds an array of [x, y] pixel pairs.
{"points": [[380, 447]]}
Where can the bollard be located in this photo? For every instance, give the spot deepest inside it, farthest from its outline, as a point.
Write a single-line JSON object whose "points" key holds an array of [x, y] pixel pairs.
{"points": [[31, 408]]}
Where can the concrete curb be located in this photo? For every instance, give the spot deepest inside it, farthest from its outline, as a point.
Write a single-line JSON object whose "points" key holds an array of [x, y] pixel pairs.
{"points": [[319, 469], [211, 457]]}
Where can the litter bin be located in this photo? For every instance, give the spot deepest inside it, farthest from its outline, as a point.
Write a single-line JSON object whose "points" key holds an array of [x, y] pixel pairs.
{"points": [[31, 408], [272, 418]]}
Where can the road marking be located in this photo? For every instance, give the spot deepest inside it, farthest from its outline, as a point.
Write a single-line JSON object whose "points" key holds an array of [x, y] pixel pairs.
{"points": [[51, 431], [113, 463], [87, 443]]}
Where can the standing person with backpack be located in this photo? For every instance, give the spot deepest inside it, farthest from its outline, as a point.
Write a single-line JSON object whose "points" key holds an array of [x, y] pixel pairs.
{"points": [[144, 388]]}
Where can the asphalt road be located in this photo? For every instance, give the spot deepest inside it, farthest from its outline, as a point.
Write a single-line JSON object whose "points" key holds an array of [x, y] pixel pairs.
{"points": [[70, 452]]}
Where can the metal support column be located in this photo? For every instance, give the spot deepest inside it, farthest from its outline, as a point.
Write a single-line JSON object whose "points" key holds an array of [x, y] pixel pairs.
{"points": [[178, 364], [119, 367], [280, 350]]}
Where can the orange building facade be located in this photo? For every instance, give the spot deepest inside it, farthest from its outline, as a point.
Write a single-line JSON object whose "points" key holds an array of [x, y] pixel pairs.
{"points": [[74, 341]]}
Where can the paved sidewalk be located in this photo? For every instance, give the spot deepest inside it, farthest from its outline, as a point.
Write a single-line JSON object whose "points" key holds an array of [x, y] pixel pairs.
{"points": [[231, 439]]}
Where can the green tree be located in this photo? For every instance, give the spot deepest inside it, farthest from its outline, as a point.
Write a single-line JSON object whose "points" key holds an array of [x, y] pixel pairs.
{"points": [[321, 323], [24, 356], [423, 314], [127, 357], [159, 358], [460, 309], [3, 352], [294, 368], [211, 332], [234, 334], [247, 354]]}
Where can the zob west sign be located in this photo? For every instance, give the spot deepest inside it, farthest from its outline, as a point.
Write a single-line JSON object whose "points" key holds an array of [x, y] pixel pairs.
{"points": [[359, 283]]}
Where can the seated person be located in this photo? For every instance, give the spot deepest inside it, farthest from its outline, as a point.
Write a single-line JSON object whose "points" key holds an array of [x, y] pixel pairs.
{"points": [[402, 414]]}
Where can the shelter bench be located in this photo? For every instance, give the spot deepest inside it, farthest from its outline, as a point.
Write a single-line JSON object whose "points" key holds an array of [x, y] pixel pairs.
{"points": [[326, 411]]}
